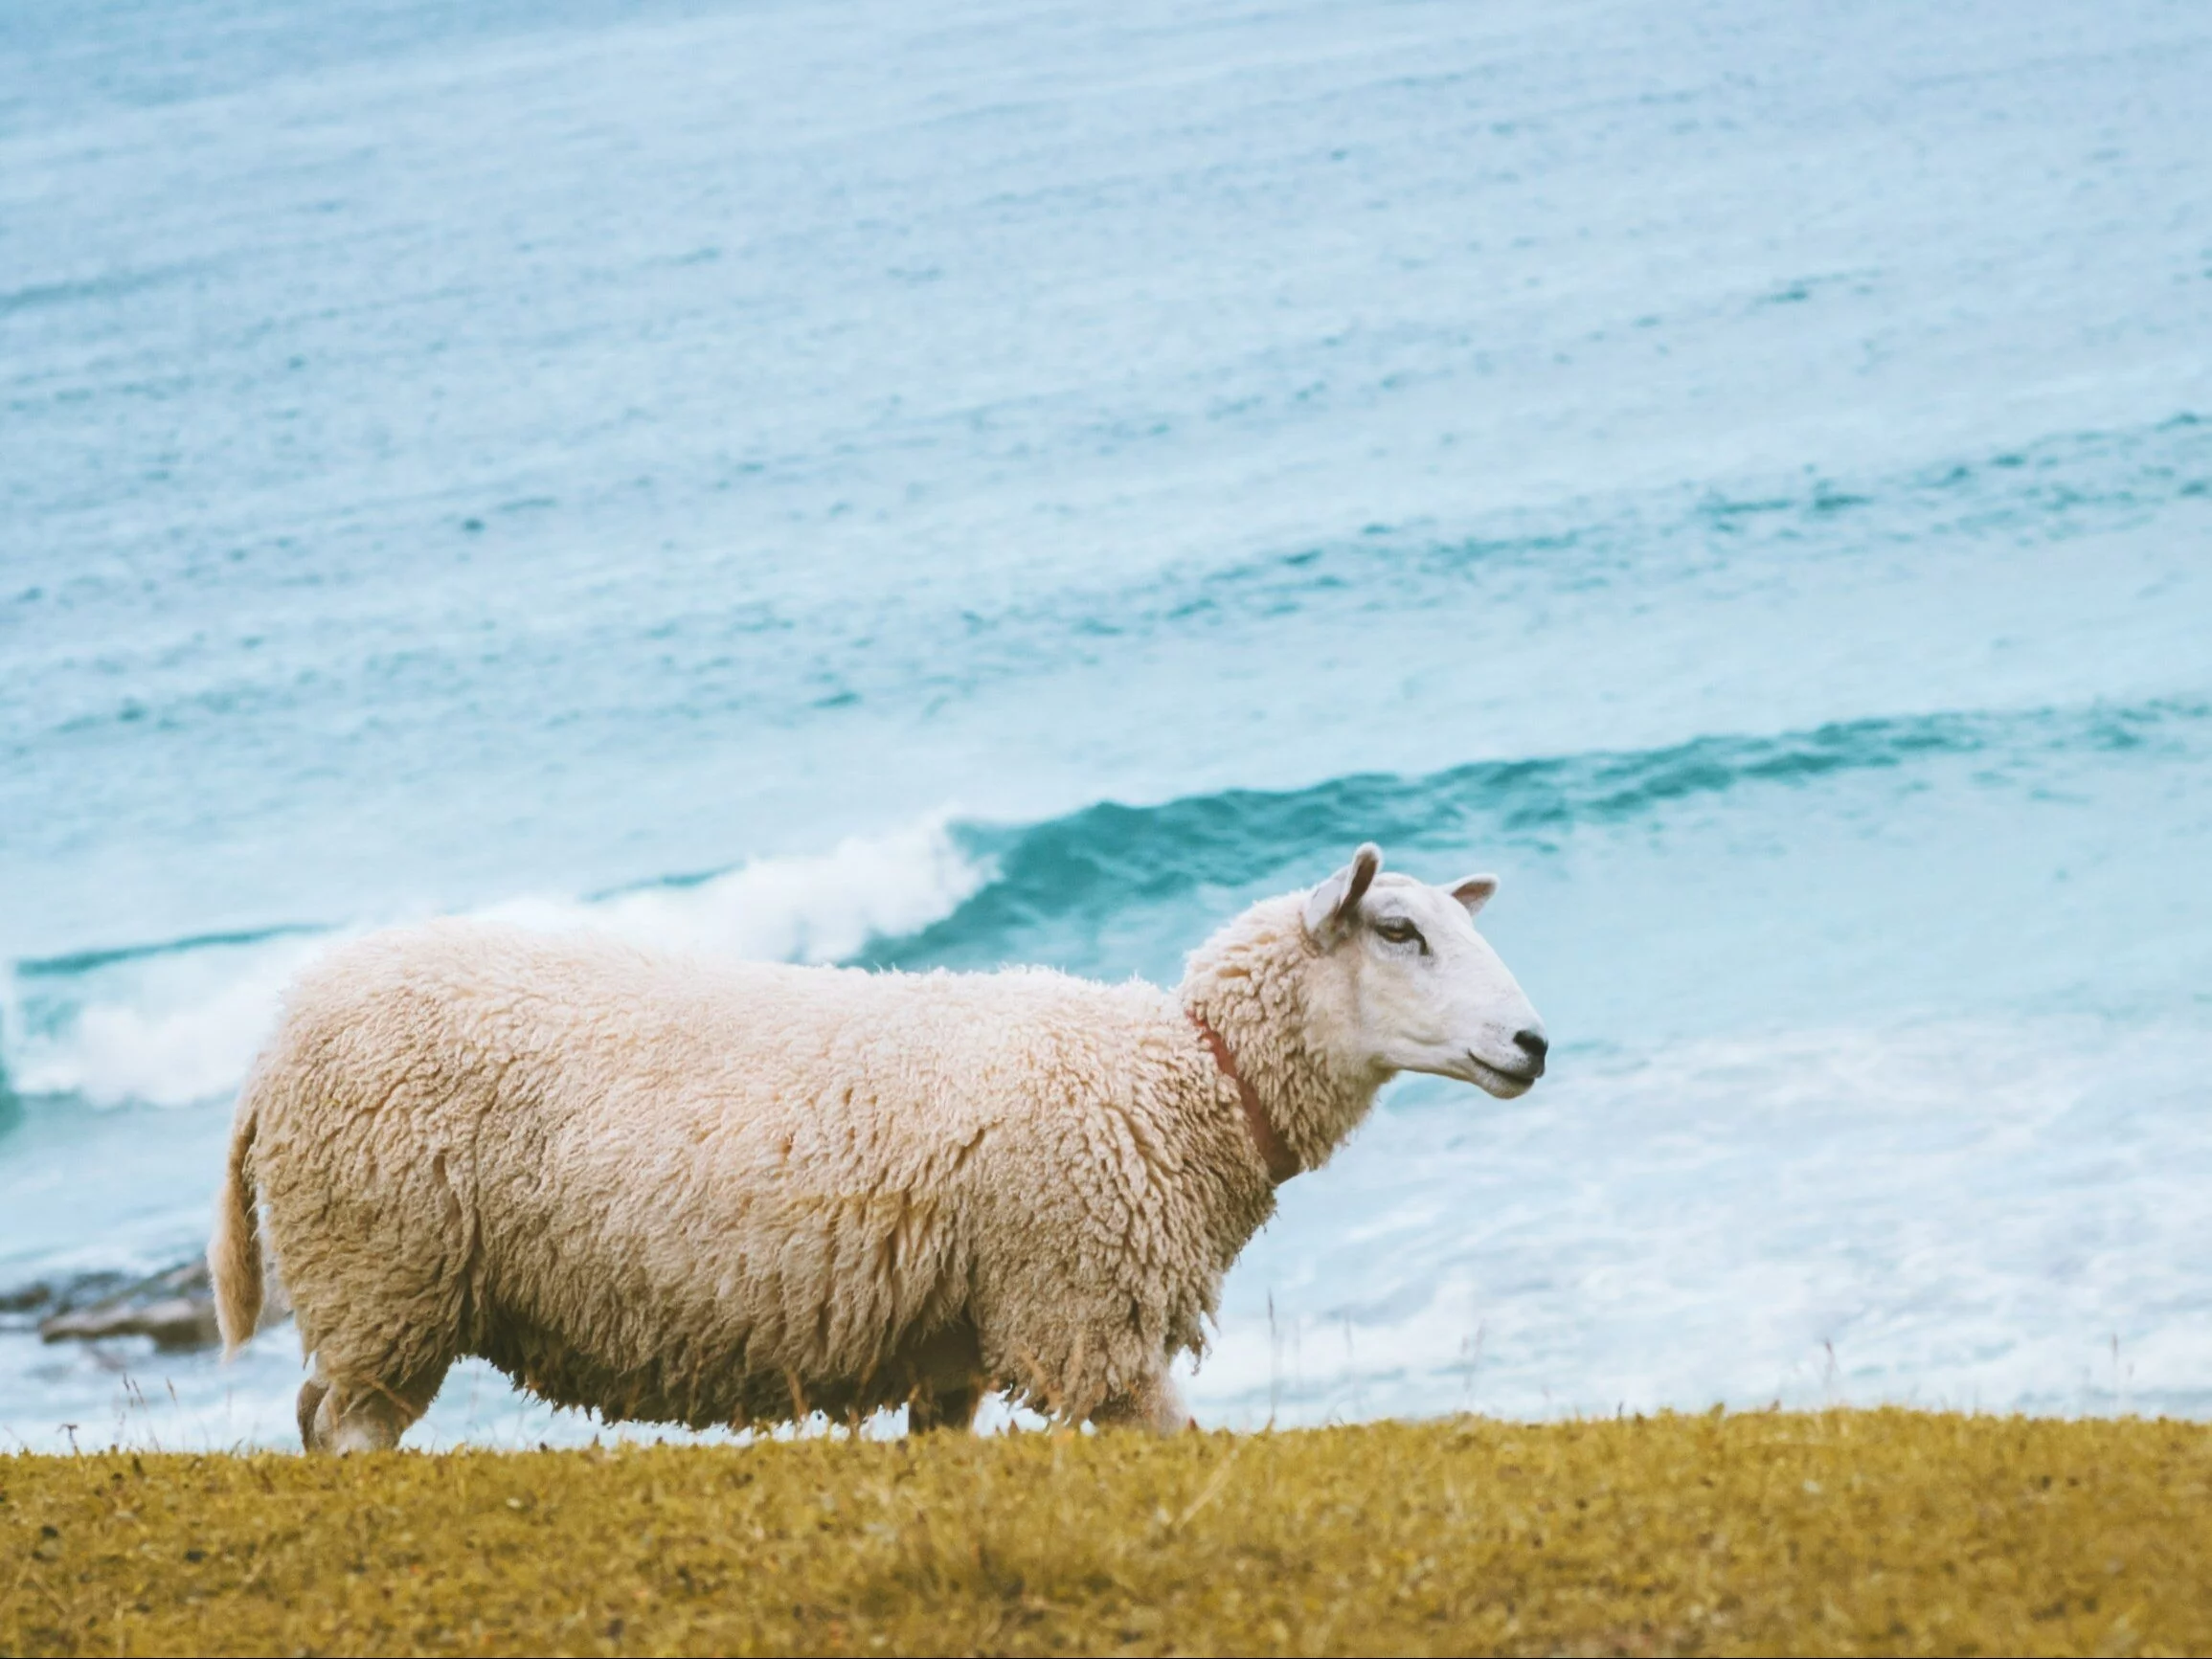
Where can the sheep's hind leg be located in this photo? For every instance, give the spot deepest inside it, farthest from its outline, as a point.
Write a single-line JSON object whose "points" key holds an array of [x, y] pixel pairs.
{"points": [[351, 1417], [311, 1393]]}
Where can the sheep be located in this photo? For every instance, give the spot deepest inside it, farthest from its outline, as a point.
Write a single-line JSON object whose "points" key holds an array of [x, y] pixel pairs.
{"points": [[726, 1193]]}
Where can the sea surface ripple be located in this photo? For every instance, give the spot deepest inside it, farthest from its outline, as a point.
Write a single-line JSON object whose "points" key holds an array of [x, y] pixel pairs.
{"points": [[999, 483]]}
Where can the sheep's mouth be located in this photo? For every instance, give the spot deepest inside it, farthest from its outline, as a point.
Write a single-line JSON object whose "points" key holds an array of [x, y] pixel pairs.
{"points": [[1496, 1080]]}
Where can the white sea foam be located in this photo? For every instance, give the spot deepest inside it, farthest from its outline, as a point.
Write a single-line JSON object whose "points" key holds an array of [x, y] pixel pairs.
{"points": [[167, 1030], [814, 907], [1992, 1214], [181, 1026]]}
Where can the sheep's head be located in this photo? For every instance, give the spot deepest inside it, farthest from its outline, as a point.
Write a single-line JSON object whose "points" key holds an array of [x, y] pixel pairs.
{"points": [[1404, 982]]}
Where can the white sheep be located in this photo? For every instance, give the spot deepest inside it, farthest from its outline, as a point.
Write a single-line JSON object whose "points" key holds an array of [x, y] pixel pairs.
{"points": [[696, 1192]]}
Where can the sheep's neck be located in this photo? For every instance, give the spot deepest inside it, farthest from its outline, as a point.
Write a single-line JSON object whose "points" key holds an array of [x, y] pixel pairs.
{"points": [[1247, 983], [1282, 1162]]}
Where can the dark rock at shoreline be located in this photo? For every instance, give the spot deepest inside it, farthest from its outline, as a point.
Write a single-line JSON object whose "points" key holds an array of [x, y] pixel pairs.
{"points": [[26, 1298], [44, 1298], [176, 1308]]}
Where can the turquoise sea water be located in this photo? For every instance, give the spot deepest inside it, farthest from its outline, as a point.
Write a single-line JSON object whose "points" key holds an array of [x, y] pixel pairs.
{"points": [[961, 484]]}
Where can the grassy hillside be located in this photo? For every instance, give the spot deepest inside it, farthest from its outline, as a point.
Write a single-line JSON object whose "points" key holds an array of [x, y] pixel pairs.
{"points": [[1844, 1532]]}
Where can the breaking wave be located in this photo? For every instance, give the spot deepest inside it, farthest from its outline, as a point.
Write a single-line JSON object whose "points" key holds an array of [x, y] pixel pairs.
{"points": [[175, 1023], [1102, 889], [1083, 870]]}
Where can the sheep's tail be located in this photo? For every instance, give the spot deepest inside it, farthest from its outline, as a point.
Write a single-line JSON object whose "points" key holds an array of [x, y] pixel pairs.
{"points": [[234, 1251]]}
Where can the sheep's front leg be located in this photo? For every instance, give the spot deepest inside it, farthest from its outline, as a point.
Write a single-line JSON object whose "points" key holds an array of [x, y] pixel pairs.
{"points": [[948, 1408], [946, 1369], [1156, 1404]]}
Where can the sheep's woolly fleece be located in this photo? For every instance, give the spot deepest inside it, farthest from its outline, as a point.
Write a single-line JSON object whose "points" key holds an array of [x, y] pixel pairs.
{"points": [[709, 1192]]}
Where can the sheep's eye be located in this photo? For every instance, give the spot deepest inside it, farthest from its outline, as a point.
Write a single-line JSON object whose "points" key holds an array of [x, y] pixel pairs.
{"points": [[1399, 932]]}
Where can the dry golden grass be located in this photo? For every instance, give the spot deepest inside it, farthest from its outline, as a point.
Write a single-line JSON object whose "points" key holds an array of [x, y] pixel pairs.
{"points": [[1841, 1532]]}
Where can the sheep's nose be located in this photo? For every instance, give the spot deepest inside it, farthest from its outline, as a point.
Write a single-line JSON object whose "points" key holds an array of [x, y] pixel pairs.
{"points": [[1531, 1043]]}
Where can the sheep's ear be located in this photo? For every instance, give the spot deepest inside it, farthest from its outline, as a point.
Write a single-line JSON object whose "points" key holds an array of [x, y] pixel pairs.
{"points": [[1474, 891], [1336, 899]]}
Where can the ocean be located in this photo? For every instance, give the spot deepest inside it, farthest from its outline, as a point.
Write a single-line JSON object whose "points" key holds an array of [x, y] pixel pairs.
{"points": [[977, 482]]}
